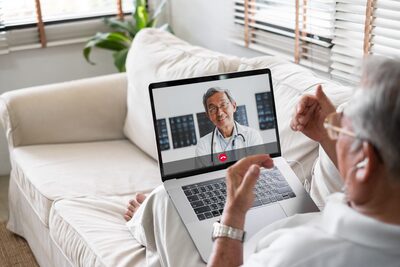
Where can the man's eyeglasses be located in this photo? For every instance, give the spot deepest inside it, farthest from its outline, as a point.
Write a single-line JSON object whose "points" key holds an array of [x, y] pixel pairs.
{"points": [[333, 126], [213, 109]]}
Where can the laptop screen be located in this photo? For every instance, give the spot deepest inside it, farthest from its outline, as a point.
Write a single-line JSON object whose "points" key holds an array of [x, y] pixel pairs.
{"points": [[208, 123]]}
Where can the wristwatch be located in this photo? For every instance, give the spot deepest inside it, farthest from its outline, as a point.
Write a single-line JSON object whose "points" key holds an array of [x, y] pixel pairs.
{"points": [[221, 230]]}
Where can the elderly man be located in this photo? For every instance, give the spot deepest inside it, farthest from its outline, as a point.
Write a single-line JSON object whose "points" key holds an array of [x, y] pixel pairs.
{"points": [[359, 227], [227, 134]]}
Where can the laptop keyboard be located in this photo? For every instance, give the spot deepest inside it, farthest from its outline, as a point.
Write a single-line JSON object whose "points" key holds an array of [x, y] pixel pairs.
{"points": [[208, 198]]}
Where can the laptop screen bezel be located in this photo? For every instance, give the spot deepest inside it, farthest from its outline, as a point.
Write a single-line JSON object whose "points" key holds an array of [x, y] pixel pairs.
{"points": [[216, 77]]}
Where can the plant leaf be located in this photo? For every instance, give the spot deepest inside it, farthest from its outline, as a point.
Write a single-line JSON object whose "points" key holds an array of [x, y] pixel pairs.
{"points": [[121, 26], [114, 41], [141, 15], [152, 23], [120, 59]]}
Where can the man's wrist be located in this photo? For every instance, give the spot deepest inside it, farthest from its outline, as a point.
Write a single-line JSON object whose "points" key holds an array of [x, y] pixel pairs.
{"points": [[233, 219]]}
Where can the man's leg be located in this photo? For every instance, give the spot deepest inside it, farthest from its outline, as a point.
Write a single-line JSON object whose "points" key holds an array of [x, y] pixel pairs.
{"points": [[157, 226]]}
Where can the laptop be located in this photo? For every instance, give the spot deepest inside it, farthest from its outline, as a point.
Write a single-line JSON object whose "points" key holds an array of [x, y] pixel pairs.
{"points": [[195, 181]]}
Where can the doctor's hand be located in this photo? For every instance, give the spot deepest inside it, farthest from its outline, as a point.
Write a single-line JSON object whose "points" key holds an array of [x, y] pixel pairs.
{"points": [[240, 180], [310, 113]]}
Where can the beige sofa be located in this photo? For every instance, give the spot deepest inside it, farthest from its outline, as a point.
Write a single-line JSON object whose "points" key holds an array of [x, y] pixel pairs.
{"points": [[79, 150]]}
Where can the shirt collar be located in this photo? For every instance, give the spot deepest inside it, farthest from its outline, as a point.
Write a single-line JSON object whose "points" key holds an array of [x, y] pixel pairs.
{"points": [[235, 132], [341, 220]]}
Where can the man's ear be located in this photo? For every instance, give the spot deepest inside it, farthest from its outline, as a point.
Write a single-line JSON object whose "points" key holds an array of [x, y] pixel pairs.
{"points": [[369, 164], [234, 106]]}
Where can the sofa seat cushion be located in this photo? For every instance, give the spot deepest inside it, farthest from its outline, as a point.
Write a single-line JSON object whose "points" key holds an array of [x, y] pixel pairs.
{"points": [[155, 56], [91, 231], [48, 172]]}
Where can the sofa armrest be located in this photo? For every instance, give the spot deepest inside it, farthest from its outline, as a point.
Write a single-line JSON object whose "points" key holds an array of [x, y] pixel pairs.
{"points": [[83, 110]]}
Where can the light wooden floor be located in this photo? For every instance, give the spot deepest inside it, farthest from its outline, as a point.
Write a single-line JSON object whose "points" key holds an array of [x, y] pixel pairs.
{"points": [[4, 198]]}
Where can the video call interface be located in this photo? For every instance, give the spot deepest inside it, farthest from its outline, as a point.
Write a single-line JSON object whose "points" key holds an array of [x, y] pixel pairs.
{"points": [[189, 139]]}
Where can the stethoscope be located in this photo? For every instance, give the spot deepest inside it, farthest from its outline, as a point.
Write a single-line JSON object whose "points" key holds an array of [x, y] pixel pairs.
{"points": [[233, 141]]}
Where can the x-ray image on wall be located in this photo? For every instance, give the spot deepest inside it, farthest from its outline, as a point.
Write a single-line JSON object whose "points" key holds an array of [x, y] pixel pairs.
{"points": [[241, 115], [265, 110], [206, 126], [183, 131], [162, 132]]}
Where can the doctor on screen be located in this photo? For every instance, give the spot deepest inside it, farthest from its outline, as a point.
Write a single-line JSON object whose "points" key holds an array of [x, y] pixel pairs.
{"points": [[227, 134]]}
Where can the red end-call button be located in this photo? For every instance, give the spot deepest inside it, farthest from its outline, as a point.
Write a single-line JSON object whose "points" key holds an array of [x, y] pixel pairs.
{"points": [[222, 157]]}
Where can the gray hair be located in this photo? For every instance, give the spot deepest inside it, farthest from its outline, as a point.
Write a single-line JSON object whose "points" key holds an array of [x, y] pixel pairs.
{"points": [[375, 110], [211, 91]]}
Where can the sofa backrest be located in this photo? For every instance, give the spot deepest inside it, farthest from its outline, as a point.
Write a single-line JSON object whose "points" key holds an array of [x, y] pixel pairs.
{"points": [[158, 56], [86, 110]]}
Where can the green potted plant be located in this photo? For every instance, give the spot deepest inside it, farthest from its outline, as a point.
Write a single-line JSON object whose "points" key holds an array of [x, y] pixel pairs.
{"points": [[120, 39]]}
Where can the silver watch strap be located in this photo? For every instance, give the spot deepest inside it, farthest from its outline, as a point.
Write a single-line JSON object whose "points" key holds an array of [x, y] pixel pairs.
{"points": [[221, 230]]}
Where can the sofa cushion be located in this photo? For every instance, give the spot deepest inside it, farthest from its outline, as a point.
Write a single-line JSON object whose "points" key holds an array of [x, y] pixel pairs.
{"points": [[92, 232], [159, 56], [48, 172], [290, 82]]}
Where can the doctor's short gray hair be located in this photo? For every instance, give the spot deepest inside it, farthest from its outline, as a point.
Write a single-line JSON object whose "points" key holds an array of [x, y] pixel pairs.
{"points": [[211, 91], [375, 110]]}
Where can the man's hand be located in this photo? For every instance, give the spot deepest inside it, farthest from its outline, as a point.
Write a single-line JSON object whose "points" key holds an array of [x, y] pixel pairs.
{"points": [[240, 181], [309, 117], [310, 114]]}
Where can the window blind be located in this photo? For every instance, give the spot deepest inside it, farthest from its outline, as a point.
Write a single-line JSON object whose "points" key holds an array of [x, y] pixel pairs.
{"points": [[299, 30], [348, 39], [63, 22], [385, 34]]}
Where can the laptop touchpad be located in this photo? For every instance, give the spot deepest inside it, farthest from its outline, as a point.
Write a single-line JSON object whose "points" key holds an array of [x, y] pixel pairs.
{"points": [[258, 218]]}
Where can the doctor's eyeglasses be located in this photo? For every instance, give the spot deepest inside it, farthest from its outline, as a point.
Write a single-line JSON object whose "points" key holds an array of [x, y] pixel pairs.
{"points": [[333, 125], [213, 109]]}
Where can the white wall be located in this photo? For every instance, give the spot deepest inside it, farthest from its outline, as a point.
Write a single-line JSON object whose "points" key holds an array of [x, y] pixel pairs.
{"points": [[207, 23], [42, 66]]}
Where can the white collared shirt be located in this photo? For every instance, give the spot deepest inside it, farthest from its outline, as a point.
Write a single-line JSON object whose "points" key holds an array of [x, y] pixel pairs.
{"points": [[339, 236], [243, 136]]}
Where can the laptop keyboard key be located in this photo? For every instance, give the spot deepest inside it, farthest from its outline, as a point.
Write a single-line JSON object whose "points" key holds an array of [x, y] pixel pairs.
{"points": [[208, 215], [202, 209], [215, 213], [192, 198], [195, 191], [201, 217], [197, 204]]}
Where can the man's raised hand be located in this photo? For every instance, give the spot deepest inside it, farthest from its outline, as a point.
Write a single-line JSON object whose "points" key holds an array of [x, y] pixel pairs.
{"points": [[310, 113]]}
